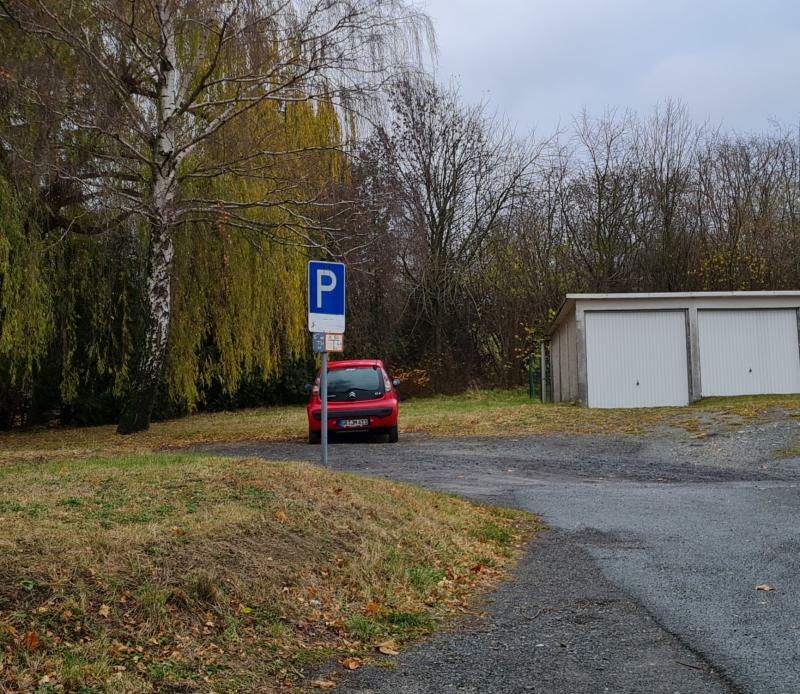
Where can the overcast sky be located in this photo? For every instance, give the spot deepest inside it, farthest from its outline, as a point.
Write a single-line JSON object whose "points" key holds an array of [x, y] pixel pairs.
{"points": [[732, 62]]}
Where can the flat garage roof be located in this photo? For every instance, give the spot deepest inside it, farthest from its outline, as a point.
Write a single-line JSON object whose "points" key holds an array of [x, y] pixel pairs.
{"points": [[571, 299]]}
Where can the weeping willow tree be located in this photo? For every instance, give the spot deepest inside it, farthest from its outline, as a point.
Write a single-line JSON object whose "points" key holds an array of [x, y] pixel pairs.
{"points": [[240, 298], [25, 304], [70, 305], [67, 311], [206, 135]]}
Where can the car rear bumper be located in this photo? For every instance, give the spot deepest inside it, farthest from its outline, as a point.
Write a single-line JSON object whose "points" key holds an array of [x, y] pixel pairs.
{"points": [[383, 417], [380, 412]]}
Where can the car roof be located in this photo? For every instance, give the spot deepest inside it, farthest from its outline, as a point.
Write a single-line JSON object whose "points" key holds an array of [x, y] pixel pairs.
{"points": [[355, 363]]}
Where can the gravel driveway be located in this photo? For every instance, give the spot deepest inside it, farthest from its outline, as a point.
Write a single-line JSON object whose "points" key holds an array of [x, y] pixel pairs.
{"points": [[645, 581]]}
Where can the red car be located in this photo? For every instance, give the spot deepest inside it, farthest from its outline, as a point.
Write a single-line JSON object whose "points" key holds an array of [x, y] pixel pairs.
{"points": [[361, 398]]}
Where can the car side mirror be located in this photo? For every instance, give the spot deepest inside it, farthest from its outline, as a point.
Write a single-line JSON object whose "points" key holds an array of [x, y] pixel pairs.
{"points": [[307, 387], [396, 382]]}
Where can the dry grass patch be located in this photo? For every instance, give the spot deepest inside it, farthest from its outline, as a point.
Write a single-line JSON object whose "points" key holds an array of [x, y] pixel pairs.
{"points": [[750, 406], [504, 412], [791, 452], [259, 424], [158, 572], [492, 413]]}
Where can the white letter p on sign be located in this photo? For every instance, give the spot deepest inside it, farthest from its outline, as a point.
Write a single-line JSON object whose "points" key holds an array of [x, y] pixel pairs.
{"points": [[324, 287]]}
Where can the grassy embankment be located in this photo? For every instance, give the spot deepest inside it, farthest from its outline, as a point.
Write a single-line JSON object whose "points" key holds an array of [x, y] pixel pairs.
{"points": [[188, 573]]}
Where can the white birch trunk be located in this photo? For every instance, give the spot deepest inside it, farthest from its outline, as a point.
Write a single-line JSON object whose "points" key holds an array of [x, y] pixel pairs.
{"points": [[161, 251]]}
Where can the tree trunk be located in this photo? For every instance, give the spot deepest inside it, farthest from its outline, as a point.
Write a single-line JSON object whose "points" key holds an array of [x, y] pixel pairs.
{"points": [[158, 304], [150, 366]]}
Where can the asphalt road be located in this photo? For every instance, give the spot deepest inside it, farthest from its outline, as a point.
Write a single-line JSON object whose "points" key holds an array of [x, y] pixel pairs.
{"points": [[646, 580]]}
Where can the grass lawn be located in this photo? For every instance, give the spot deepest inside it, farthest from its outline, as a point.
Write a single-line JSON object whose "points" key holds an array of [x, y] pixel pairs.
{"points": [[167, 572], [475, 413]]}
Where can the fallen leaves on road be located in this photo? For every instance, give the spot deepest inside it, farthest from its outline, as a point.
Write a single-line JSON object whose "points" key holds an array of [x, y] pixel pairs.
{"points": [[324, 684], [388, 647], [765, 587], [351, 663]]}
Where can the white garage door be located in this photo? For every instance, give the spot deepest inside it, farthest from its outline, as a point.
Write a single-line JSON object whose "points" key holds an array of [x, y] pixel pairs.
{"points": [[749, 352], [636, 358]]}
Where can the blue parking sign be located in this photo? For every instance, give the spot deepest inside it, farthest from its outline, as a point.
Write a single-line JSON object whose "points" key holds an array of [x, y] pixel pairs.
{"points": [[326, 295]]}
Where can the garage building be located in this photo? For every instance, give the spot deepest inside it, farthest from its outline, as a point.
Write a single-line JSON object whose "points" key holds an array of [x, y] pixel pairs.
{"points": [[650, 350]]}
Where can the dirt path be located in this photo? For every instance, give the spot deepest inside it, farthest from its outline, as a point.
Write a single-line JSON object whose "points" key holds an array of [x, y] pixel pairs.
{"points": [[668, 455]]}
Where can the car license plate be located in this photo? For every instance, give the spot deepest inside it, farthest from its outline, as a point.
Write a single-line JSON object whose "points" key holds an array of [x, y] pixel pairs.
{"points": [[354, 423]]}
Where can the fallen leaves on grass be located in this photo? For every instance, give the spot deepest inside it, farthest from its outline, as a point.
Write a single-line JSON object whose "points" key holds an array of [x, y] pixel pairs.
{"points": [[323, 684], [385, 564], [32, 640], [281, 517]]}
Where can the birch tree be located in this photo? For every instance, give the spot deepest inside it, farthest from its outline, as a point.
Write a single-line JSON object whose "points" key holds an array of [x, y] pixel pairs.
{"points": [[162, 89]]}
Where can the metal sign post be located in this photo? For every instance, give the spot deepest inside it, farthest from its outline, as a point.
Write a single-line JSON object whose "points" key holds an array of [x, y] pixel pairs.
{"points": [[324, 343], [323, 394], [326, 298]]}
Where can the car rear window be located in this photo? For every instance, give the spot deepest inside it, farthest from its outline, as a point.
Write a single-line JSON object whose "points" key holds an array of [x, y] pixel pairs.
{"points": [[359, 379]]}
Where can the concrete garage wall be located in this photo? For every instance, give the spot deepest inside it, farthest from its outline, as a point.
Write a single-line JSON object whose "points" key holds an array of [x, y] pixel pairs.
{"points": [[564, 362], [724, 332]]}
